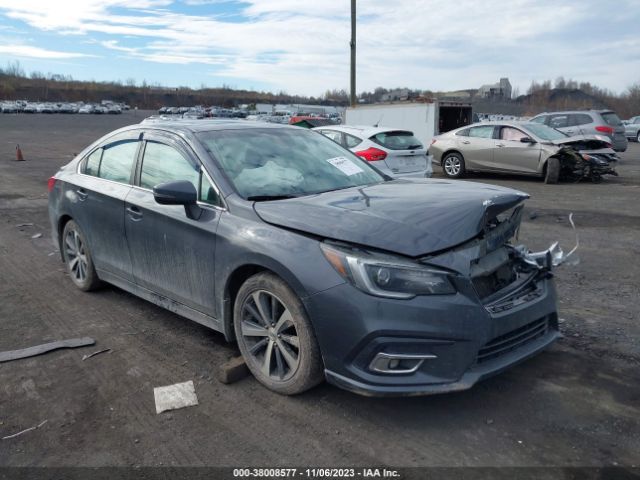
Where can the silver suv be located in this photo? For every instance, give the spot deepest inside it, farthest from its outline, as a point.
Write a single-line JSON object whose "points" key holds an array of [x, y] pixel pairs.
{"points": [[587, 122]]}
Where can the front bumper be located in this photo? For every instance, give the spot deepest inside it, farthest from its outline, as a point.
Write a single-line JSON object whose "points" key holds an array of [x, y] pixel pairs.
{"points": [[468, 342]]}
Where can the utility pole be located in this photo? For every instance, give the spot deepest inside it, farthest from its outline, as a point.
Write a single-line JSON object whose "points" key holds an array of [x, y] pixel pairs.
{"points": [[353, 53]]}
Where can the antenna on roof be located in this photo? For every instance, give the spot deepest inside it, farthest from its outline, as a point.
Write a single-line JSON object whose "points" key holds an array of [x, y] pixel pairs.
{"points": [[378, 122]]}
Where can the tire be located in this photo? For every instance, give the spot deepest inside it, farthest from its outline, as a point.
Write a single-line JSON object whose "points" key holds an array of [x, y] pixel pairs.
{"points": [[553, 171], [269, 319], [77, 258], [453, 165], [638, 137]]}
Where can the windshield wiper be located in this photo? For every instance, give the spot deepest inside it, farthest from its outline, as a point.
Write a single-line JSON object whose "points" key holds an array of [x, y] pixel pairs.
{"points": [[266, 198]]}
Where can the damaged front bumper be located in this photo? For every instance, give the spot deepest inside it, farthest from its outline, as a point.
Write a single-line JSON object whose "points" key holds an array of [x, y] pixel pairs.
{"points": [[503, 312], [452, 341]]}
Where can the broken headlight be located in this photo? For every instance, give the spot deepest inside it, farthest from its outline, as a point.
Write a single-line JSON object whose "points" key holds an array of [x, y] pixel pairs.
{"points": [[387, 275]]}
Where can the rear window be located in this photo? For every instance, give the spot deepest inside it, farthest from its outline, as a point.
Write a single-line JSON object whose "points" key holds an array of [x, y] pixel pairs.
{"points": [[397, 140], [611, 119]]}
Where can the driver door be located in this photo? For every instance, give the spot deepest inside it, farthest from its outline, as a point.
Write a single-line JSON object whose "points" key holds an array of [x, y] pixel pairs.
{"points": [[513, 155], [172, 254]]}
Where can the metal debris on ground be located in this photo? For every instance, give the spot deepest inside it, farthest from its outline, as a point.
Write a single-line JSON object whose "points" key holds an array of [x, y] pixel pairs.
{"points": [[84, 357], [24, 431], [173, 397], [24, 225], [37, 235], [47, 347]]}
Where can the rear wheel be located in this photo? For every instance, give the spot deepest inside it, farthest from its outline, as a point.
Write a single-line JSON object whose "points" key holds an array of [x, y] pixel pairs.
{"points": [[553, 171], [275, 336], [453, 165], [638, 137], [77, 258]]}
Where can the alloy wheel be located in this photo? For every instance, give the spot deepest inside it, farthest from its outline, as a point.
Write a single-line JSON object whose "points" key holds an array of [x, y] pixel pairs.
{"points": [[76, 256], [270, 335], [452, 166]]}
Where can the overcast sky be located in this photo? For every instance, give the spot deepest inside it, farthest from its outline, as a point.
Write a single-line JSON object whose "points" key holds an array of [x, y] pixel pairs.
{"points": [[302, 46]]}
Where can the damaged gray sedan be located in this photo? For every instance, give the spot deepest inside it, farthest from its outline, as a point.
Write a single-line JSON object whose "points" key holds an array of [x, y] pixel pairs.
{"points": [[523, 149], [315, 263]]}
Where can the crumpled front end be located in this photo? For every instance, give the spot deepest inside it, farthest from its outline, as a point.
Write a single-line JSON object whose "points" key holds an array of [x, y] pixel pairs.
{"points": [[584, 159], [503, 311]]}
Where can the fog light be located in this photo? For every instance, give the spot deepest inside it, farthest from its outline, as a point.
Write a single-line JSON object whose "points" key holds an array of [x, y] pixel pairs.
{"points": [[398, 363]]}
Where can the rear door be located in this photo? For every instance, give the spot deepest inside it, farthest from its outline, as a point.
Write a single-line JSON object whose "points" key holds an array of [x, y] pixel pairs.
{"points": [[512, 155], [103, 183], [172, 254], [405, 153], [583, 123], [477, 147]]}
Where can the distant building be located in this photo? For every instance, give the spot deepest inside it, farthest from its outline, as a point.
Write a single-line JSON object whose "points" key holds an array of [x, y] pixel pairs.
{"points": [[399, 95], [457, 94], [502, 89]]}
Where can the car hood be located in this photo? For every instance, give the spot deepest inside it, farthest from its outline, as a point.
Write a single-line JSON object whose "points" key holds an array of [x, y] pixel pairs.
{"points": [[410, 217], [584, 142]]}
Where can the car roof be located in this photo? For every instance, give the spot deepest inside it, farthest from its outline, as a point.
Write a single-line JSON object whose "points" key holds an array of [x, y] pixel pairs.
{"points": [[362, 130], [203, 125], [592, 110]]}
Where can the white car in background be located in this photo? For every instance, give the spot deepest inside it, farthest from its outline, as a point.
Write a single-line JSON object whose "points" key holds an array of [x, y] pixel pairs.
{"points": [[397, 153]]}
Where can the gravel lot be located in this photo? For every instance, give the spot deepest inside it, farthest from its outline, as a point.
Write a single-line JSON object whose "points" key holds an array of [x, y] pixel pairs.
{"points": [[577, 404]]}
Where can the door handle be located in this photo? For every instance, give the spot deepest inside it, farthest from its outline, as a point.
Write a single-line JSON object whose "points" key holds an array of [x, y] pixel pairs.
{"points": [[134, 213], [82, 194], [500, 145], [466, 142]]}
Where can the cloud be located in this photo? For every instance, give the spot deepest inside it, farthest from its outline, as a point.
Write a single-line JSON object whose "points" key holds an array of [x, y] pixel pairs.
{"points": [[303, 47], [36, 52]]}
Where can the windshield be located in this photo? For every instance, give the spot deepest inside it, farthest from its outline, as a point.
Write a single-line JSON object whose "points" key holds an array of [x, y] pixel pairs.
{"points": [[544, 132], [283, 162]]}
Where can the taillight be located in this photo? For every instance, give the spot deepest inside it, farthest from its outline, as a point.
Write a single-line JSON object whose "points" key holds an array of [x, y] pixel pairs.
{"points": [[372, 154], [433, 141], [51, 183], [604, 129]]}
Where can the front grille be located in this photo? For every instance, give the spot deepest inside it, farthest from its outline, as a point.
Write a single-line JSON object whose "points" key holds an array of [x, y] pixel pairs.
{"points": [[512, 340]]}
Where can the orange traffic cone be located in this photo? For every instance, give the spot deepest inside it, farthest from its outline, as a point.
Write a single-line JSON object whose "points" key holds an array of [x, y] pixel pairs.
{"points": [[19, 157]]}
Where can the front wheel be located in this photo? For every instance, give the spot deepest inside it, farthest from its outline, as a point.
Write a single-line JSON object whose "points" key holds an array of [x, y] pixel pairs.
{"points": [[638, 137], [275, 336], [453, 165], [552, 173], [77, 258]]}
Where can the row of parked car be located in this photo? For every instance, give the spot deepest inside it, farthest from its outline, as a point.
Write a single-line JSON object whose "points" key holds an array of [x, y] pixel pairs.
{"points": [[554, 146], [202, 112], [22, 106]]}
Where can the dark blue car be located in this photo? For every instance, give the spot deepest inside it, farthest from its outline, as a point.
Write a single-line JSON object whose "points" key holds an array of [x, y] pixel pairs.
{"points": [[317, 264]]}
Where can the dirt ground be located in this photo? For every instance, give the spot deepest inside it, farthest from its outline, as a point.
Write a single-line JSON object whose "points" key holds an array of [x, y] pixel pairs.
{"points": [[577, 404]]}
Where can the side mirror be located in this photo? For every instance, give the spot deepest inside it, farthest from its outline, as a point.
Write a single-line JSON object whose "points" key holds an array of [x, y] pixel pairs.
{"points": [[527, 140], [179, 192]]}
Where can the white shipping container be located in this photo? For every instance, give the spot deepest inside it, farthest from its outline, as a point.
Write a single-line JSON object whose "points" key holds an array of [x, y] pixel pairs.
{"points": [[425, 120]]}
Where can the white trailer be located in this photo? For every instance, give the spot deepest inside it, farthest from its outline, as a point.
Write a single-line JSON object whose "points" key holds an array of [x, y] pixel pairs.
{"points": [[425, 120]]}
